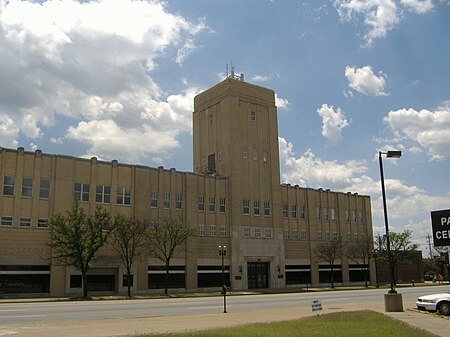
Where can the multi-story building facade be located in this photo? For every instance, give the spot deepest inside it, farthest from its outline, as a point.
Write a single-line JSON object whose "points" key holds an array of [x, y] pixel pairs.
{"points": [[233, 197]]}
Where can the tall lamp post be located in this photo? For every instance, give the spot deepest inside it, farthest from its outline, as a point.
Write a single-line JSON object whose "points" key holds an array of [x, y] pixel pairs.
{"points": [[223, 253], [390, 305]]}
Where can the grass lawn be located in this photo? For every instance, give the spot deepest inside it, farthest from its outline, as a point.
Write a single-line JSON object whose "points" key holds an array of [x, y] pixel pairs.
{"points": [[345, 324]]}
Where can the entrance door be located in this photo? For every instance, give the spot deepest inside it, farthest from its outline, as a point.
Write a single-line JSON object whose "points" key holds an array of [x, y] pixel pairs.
{"points": [[258, 275]]}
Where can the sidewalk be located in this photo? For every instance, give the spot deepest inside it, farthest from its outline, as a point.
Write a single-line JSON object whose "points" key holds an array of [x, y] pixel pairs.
{"points": [[136, 326]]}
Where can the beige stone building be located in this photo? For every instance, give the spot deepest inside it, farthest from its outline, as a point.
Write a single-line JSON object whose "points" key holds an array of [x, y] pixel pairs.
{"points": [[233, 197]]}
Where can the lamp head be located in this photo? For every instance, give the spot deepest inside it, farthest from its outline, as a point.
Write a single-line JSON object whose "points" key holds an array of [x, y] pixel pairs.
{"points": [[394, 154]]}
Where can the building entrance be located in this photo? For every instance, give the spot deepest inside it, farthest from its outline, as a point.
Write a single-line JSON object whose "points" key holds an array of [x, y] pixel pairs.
{"points": [[258, 275]]}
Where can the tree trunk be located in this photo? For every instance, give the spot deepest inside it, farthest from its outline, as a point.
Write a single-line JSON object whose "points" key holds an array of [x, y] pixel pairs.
{"points": [[166, 281], [332, 277], [128, 283], [84, 284]]}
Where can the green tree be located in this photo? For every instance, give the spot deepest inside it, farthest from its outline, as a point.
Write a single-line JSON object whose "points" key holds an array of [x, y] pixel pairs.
{"points": [[128, 237], [361, 252], [76, 237], [329, 252], [402, 248], [164, 238]]}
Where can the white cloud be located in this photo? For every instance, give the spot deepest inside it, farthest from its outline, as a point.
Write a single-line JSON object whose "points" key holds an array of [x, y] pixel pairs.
{"points": [[418, 6], [333, 122], [260, 78], [365, 81], [281, 103], [91, 62], [427, 129]]}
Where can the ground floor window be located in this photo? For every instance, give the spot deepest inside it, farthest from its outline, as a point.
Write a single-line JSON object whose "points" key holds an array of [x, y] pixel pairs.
{"points": [[95, 282], [24, 279], [298, 274], [325, 276], [157, 277], [359, 275], [211, 276]]}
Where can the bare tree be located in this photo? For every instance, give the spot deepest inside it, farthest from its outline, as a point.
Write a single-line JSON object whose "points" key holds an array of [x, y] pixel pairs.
{"points": [[401, 247], [164, 238], [361, 252], [128, 237], [329, 252], [76, 237]]}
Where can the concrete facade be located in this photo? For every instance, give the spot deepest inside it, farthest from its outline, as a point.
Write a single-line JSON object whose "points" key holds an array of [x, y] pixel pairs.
{"points": [[233, 197]]}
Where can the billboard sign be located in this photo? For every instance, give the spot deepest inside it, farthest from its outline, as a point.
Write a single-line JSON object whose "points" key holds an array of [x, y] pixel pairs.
{"points": [[440, 221]]}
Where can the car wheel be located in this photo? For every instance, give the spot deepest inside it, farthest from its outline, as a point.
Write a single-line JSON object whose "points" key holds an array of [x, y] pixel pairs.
{"points": [[444, 308]]}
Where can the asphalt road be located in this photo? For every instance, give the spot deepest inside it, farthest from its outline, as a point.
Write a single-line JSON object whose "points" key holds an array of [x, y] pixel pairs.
{"points": [[21, 313]]}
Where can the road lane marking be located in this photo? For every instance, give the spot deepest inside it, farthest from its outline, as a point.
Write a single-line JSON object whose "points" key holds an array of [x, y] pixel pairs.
{"points": [[22, 316]]}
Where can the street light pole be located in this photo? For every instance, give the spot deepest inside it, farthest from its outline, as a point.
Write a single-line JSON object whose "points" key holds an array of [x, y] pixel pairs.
{"points": [[389, 154], [222, 253]]}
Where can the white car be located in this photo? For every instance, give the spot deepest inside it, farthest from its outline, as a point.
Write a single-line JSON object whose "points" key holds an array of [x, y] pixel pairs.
{"points": [[439, 302]]}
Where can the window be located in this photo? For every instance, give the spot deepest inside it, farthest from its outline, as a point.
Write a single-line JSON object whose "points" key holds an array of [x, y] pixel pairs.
{"points": [[319, 235], [302, 212], [325, 214], [223, 231], [212, 230], [265, 156], [211, 119], [81, 192], [201, 202], [349, 236], [318, 213], [212, 204], [258, 232], [346, 215], [123, 196], [333, 215], [7, 221], [266, 208], [25, 222], [153, 199], [285, 211], [295, 234], [286, 234], [201, 230], [166, 201], [244, 153], [103, 194], [268, 233], [178, 200], [327, 236], [8, 185], [222, 205], [42, 223], [245, 206], [246, 232], [335, 236], [27, 187], [355, 236], [256, 207], [304, 235], [294, 212], [253, 116], [44, 189], [255, 154], [353, 216], [361, 219]]}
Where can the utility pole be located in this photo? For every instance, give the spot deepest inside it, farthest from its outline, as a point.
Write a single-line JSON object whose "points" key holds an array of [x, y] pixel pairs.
{"points": [[429, 245]]}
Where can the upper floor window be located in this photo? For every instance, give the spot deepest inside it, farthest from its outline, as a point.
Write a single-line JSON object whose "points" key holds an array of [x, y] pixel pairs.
{"points": [[353, 216], [44, 189], [27, 187], [318, 213], [304, 235], [335, 236], [201, 230], [222, 205], [81, 192], [265, 156], [256, 207], [212, 204], [333, 215], [201, 202], [327, 236], [178, 200], [223, 231], [255, 154], [153, 199], [42, 223], [246, 232], [295, 234], [8, 185], [212, 230], [253, 116], [285, 211], [361, 218], [347, 215], [294, 211], [25, 222], [286, 234], [319, 235], [266, 208], [244, 153], [325, 214], [166, 201], [258, 232], [246, 206], [268, 233], [6, 221], [103, 194], [302, 212], [123, 196]]}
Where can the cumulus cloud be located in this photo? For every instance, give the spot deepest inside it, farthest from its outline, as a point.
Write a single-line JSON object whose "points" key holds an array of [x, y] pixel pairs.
{"points": [[281, 103], [379, 16], [92, 62], [333, 122], [430, 130], [365, 81]]}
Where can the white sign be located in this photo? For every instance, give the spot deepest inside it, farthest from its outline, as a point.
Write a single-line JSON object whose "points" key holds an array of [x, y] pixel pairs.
{"points": [[316, 305]]}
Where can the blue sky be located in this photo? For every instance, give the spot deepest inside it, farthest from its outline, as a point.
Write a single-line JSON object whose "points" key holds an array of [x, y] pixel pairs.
{"points": [[116, 80]]}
